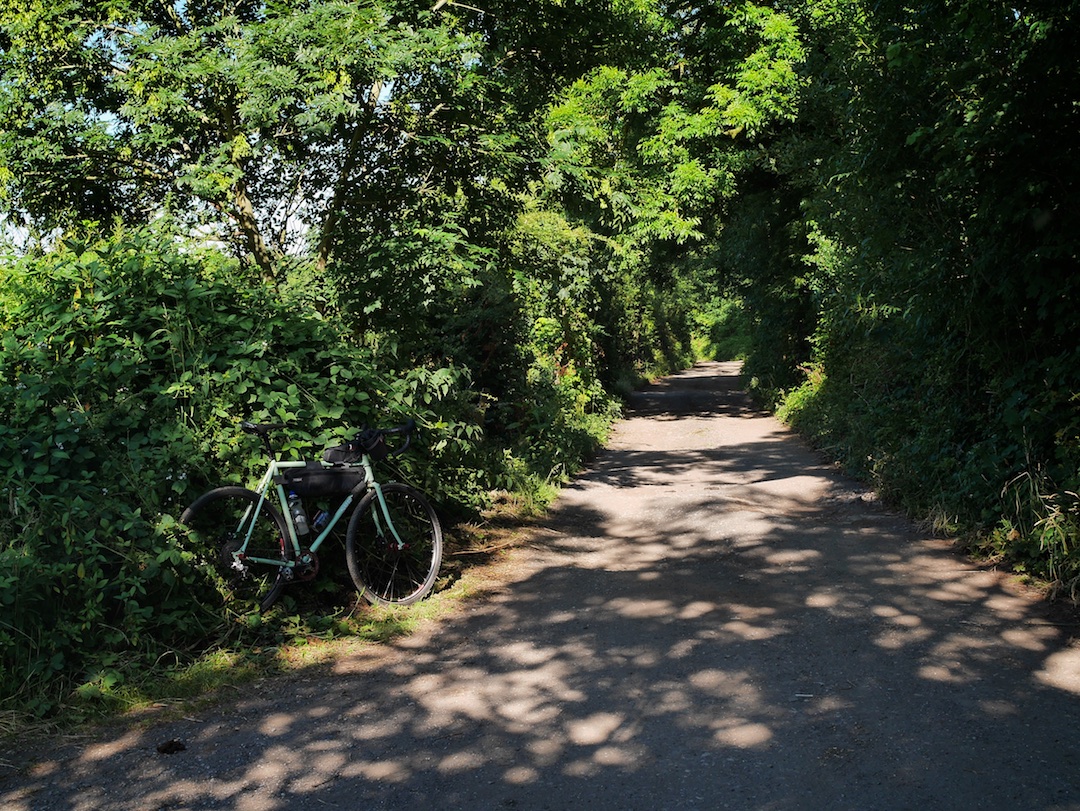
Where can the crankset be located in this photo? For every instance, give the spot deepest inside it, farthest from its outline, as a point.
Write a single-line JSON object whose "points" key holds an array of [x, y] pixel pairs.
{"points": [[307, 566]]}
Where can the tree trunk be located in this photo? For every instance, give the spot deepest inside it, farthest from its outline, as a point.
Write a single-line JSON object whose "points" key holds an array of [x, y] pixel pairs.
{"points": [[333, 212], [245, 216]]}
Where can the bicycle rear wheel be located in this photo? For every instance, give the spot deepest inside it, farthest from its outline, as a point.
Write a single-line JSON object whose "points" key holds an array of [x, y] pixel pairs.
{"points": [[385, 571], [218, 522]]}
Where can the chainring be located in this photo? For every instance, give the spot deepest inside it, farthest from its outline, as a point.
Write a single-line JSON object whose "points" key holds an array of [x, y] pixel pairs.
{"points": [[307, 566]]}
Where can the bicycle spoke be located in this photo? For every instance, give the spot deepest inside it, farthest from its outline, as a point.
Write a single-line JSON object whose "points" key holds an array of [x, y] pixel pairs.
{"points": [[399, 565], [221, 522]]}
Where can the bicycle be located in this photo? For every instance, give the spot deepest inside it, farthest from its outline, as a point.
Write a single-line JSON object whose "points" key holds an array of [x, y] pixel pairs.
{"points": [[393, 541]]}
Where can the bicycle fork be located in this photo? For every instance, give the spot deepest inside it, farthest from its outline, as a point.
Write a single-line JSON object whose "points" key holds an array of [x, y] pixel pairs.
{"points": [[381, 515]]}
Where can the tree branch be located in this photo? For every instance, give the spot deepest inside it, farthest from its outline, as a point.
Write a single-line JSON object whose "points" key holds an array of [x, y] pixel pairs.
{"points": [[333, 210]]}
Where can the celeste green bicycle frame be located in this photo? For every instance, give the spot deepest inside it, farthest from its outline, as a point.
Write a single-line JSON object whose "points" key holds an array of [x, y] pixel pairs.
{"points": [[270, 480]]}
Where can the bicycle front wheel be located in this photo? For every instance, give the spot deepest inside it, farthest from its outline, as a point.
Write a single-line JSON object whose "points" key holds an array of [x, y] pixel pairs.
{"points": [[394, 561], [221, 521]]}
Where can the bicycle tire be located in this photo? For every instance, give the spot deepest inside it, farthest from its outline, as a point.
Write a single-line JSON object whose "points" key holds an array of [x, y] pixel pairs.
{"points": [[220, 518], [382, 573]]}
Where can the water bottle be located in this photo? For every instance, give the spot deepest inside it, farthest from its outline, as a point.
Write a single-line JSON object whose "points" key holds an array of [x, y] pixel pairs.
{"points": [[299, 517], [320, 520]]}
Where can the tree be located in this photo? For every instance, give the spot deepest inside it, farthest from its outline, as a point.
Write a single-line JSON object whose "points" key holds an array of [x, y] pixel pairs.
{"points": [[250, 118], [654, 154]]}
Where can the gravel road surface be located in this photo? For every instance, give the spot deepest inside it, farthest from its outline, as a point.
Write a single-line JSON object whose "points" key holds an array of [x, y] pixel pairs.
{"points": [[710, 618]]}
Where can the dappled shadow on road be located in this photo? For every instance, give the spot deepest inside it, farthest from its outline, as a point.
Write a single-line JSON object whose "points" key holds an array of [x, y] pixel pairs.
{"points": [[753, 461], [708, 390], [748, 631]]}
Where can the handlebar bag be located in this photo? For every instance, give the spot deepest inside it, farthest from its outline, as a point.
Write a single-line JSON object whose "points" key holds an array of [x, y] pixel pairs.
{"points": [[368, 441]]}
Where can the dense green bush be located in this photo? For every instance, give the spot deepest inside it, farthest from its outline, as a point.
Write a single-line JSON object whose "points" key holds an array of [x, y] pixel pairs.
{"points": [[126, 366], [935, 180], [544, 314]]}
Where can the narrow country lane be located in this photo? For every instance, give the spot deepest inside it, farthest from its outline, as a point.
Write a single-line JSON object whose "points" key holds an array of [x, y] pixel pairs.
{"points": [[710, 618]]}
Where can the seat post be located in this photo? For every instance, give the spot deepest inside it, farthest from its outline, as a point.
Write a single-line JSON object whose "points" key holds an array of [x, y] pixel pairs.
{"points": [[266, 443], [263, 432]]}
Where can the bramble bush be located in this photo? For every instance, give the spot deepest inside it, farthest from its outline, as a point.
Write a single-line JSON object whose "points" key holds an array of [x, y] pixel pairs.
{"points": [[126, 366]]}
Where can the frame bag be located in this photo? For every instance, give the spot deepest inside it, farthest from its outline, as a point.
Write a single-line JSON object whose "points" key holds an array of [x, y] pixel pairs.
{"points": [[314, 480]]}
